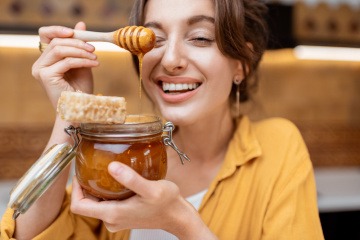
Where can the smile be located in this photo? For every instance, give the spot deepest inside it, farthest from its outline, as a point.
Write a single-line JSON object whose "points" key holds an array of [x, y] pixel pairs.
{"points": [[176, 88]]}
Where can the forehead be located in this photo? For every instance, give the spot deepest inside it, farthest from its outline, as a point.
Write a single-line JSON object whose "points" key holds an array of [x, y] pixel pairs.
{"points": [[172, 10]]}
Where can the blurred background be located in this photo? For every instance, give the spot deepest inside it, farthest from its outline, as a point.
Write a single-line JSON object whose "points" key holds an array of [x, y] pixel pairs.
{"points": [[310, 74]]}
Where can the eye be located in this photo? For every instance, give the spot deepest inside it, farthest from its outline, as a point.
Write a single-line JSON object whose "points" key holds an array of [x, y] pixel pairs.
{"points": [[202, 41], [159, 41]]}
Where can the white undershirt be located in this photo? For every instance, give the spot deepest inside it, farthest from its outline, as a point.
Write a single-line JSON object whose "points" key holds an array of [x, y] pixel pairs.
{"points": [[158, 234]]}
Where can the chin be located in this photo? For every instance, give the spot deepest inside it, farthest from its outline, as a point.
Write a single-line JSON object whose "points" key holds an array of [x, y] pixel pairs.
{"points": [[178, 116]]}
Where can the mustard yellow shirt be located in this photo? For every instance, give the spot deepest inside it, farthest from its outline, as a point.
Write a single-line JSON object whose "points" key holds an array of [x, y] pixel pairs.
{"points": [[264, 190]]}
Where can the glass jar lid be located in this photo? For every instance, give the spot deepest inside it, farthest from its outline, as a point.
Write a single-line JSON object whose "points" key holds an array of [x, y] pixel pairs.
{"points": [[42, 174], [39, 177], [134, 126]]}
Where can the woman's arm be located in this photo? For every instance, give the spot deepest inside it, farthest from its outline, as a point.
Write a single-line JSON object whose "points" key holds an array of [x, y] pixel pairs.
{"points": [[43, 212], [64, 65]]}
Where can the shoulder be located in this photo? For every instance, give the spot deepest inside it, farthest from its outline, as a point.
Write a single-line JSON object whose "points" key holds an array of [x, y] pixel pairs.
{"points": [[284, 155], [277, 130], [271, 134], [280, 138], [275, 125]]}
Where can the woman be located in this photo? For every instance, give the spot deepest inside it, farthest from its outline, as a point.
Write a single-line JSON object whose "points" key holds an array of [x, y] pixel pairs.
{"points": [[253, 180]]}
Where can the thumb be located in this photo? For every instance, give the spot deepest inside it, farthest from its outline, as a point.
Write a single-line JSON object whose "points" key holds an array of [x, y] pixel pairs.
{"points": [[80, 26], [130, 179]]}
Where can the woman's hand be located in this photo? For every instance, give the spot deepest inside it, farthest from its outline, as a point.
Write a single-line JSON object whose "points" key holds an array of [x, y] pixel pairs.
{"points": [[156, 205], [65, 65]]}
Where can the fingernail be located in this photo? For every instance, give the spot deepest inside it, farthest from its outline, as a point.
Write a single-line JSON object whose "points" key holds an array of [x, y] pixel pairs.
{"points": [[116, 168], [93, 56], [67, 31], [89, 47]]}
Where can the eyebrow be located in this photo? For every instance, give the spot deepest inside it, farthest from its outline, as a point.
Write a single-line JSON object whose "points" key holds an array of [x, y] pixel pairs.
{"points": [[200, 18], [190, 21], [153, 25]]}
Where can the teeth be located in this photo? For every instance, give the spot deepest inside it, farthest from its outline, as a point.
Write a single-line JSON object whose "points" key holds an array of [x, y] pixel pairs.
{"points": [[179, 86], [172, 86]]}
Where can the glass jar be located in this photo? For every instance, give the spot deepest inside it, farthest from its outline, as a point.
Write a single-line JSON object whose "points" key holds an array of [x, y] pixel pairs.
{"points": [[137, 143]]}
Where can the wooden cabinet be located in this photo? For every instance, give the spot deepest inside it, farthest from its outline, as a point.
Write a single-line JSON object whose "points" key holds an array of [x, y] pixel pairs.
{"points": [[326, 24], [22, 15]]}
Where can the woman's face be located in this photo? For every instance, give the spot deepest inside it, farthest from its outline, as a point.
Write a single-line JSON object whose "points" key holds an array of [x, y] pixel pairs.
{"points": [[186, 75]]}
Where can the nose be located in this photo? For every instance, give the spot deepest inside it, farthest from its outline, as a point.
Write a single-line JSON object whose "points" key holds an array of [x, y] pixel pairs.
{"points": [[174, 58]]}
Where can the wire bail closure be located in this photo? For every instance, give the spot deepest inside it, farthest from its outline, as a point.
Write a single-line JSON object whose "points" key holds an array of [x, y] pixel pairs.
{"points": [[74, 134], [168, 141]]}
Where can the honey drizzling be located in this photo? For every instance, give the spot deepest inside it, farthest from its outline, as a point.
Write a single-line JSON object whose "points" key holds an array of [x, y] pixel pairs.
{"points": [[140, 58], [138, 40]]}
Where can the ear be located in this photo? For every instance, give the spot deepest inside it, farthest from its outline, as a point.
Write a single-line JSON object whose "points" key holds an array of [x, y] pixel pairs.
{"points": [[242, 69]]}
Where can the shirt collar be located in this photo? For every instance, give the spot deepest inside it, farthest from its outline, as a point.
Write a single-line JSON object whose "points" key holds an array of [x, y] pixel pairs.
{"points": [[243, 147]]}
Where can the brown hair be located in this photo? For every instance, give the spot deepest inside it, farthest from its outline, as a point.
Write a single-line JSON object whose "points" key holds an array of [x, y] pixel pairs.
{"points": [[241, 33]]}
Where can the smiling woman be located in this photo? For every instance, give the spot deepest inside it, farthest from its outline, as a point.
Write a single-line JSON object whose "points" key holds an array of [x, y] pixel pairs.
{"points": [[251, 178]]}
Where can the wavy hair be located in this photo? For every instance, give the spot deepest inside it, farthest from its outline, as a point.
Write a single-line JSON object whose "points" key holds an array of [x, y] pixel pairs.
{"points": [[241, 33]]}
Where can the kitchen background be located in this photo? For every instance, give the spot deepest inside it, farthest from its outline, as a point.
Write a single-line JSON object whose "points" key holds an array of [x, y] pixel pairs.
{"points": [[310, 75]]}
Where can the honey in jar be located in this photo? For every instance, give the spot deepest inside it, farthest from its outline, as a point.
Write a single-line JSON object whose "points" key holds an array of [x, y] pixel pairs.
{"points": [[137, 143]]}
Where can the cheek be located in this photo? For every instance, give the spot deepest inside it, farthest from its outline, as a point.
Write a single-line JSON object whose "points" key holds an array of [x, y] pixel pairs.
{"points": [[219, 70], [220, 73], [214, 62]]}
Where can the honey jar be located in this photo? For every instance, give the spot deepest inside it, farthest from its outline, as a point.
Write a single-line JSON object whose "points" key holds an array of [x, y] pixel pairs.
{"points": [[139, 143]]}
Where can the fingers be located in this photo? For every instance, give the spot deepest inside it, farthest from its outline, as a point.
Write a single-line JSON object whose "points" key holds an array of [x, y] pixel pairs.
{"points": [[50, 32], [90, 206], [81, 204], [80, 193], [53, 66], [63, 54], [80, 26], [131, 179], [57, 70], [65, 64], [62, 48], [138, 211], [70, 42], [77, 192], [57, 36]]}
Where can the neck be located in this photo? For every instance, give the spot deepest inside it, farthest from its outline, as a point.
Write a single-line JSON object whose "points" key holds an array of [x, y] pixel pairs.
{"points": [[205, 141]]}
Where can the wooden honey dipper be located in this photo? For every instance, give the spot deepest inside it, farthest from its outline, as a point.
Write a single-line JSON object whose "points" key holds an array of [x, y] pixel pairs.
{"points": [[136, 39]]}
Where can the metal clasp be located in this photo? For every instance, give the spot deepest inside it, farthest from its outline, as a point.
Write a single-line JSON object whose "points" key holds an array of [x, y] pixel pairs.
{"points": [[168, 141], [73, 132]]}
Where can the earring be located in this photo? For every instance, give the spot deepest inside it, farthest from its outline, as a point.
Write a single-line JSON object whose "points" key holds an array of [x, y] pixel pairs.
{"points": [[237, 82]]}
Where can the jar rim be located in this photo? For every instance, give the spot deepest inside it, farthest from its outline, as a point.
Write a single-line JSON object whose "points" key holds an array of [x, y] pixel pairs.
{"points": [[134, 126]]}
